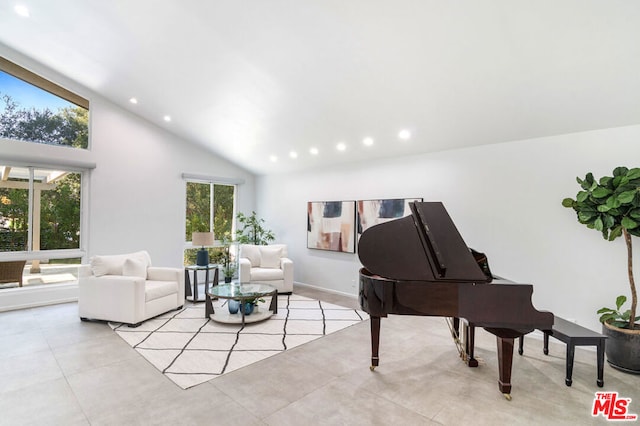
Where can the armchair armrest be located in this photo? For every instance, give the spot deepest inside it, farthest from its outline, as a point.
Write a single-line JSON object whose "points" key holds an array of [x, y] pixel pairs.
{"points": [[155, 273], [111, 297], [84, 271], [245, 270], [286, 265]]}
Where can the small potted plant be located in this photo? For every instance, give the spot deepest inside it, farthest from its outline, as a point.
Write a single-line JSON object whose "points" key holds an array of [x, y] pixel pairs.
{"points": [[228, 271], [252, 304], [611, 205], [229, 266]]}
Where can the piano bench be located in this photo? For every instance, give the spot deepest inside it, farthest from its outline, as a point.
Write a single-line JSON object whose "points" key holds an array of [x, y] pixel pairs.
{"points": [[573, 335]]}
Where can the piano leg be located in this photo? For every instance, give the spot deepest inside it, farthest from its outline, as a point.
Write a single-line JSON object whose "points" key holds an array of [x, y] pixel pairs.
{"points": [[375, 342], [505, 359], [456, 327], [469, 344]]}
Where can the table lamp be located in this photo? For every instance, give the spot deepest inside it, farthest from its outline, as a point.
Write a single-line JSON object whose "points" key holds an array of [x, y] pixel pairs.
{"points": [[202, 239]]}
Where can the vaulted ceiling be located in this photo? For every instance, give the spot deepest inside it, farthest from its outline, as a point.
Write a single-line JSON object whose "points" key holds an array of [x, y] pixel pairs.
{"points": [[255, 80]]}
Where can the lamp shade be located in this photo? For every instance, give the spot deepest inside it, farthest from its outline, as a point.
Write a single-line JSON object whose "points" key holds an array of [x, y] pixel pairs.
{"points": [[202, 239]]}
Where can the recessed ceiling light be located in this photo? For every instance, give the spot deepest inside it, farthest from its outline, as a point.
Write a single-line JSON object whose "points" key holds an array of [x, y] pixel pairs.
{"points": [[167, 118], [367, 141], [293, 154], [21, 10], [273, 158], [341, 146], [314, 151], [133, 100], [404, 135]]}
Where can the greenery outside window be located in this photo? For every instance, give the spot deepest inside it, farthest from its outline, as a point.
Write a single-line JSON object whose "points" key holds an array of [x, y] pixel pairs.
{"points": [[40, 219], [33, 109], [210, 207]]}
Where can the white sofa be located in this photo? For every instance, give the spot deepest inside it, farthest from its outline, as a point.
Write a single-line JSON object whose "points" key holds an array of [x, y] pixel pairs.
{"points": [[127, 289], [267, 264]]}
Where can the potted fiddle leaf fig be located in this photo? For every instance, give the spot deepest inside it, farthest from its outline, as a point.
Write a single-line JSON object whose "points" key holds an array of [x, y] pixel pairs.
{"points": [[611, 205]]}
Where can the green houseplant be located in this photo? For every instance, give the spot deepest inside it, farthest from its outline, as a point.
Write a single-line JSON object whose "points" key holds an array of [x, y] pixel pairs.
{"points": [[228, 270], [611, 205], [252, 231], [228, 261]]}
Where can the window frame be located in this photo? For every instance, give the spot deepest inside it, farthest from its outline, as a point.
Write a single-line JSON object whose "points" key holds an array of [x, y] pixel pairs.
{"points": [[42, 83], [48, 86], [212, 182], [40, 254]]}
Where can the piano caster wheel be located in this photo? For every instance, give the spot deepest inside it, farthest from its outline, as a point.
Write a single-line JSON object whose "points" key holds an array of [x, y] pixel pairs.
{"points": [[600, 383], [507, 396], [568, 382], [372, 367]]}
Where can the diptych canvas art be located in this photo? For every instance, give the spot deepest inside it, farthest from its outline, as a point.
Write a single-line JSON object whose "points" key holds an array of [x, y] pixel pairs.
{"points": [[337, 225]]}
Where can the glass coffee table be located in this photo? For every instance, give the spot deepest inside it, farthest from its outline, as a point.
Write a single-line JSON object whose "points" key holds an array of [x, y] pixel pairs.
{"points": [[241, 293]]}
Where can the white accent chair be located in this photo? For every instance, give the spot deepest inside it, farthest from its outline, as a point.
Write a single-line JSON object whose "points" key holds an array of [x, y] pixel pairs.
{"points": [[267, 264], [127, 289]]}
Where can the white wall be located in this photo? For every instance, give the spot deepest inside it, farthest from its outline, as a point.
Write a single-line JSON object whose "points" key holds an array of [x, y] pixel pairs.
{"points": [[505, 200]]}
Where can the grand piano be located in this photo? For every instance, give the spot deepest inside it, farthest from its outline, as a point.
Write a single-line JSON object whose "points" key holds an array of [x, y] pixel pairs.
{"points": [[420, 265]]}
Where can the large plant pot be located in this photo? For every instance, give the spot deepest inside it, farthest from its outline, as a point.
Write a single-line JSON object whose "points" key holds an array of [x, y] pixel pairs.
{"points": [[622, 348]]}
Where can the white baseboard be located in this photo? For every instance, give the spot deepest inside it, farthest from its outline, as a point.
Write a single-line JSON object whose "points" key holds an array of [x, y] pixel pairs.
{"points": [[29, 297], [328, 290]]}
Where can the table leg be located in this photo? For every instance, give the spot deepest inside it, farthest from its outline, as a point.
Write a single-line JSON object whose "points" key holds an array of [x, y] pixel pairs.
{"points": [[195, 285], [206, 281], [600, 381], [273, 306], [215, 278], [570, 353], [208, 306], [187, 283]]}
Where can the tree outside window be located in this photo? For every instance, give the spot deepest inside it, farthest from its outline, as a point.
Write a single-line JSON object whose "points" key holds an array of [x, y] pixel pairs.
{"points": [[210, 208], [28, 113]]}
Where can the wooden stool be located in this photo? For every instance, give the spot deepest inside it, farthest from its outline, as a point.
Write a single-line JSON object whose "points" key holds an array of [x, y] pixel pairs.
{"points": [[573, 335]]}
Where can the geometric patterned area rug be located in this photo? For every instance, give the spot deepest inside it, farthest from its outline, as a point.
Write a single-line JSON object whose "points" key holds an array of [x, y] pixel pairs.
{"points": [[191, 349]]}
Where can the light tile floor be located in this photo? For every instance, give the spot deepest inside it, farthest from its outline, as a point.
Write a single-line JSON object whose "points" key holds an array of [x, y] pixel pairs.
{"points": [[56, 370]]}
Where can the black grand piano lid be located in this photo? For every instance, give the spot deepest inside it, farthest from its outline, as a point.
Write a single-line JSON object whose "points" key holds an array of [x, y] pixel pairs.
{"points": [[425, 246]]}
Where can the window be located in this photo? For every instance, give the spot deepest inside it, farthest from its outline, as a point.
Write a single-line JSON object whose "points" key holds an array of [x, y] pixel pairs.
{"points": [[40, 220], [39, 209], [210, 208], [34, 109]]}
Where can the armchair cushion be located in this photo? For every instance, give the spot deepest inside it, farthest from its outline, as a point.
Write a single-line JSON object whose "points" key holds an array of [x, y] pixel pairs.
{"points": [[113, 264], [134, 268], [266, 274], [270, 256], [252, 253]]}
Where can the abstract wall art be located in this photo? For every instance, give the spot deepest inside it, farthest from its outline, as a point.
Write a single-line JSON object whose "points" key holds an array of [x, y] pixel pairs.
{"points": [[373, 212], [331, 225]]}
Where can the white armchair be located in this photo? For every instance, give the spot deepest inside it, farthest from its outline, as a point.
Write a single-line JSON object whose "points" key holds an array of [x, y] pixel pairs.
{"points": [[267, 264], [126, 288]]}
